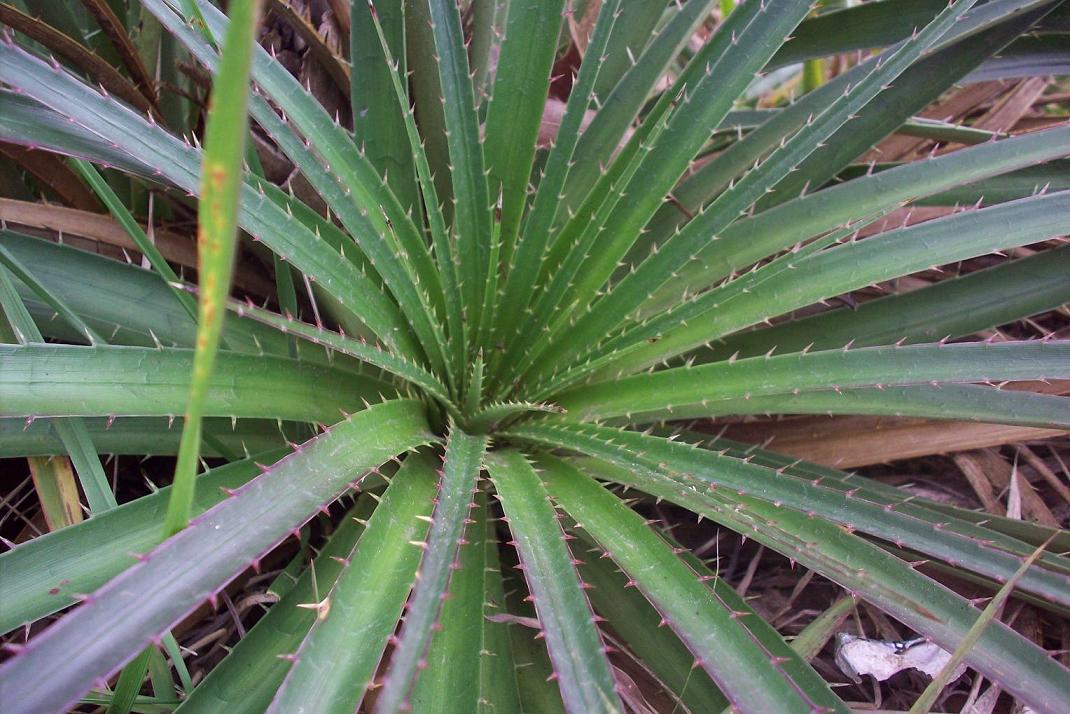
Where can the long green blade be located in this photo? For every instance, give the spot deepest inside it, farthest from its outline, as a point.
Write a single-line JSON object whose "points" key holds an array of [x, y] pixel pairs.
{"points": [[72, 432], [142, 436], [565, 617], [337, 660], [912, 598], [657, 269], [46, 574], [516, 106], [372, 214], [375, 107], [124, 616], [262, 217], [460, 473], [469, 665], [639, 625], [753, 238], [249, 676], [749, 674], [106, 194], [217, 238], [526, 261], [472, 203], [65, 380], [868, 511], [950, 308], [828, 370], [748, 300], [961, 402]]}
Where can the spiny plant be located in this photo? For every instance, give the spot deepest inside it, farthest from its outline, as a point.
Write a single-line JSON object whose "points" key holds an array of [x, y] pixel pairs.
{"points": [[506, 339]]}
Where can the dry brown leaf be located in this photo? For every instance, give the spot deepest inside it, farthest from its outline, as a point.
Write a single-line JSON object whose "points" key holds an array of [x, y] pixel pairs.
{"points": [[120, 40], [336, 67], [105, 229], [1012, 106], [96, 68], [53, 172]]}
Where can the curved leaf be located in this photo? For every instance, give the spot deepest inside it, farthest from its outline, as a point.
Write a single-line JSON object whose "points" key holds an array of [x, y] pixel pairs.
{"points": [[46, 574], [460, 474], [749, 675], [248, 677], [862, 509], [124, 616], [575, 645], [337, 659], [884, 366], [862, 568], [64, 380]]}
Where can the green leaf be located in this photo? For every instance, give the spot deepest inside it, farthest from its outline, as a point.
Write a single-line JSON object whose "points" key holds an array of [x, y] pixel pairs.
{"points": [[460, 473], [130, 305], [105, 193], [748, 674], [928, 697], [874, 24], [129, 684], [26, 122], [124, 616], [828, 370], [249, 676], [487, 23], [217, 238], [1009, 535], [959, 51], [163, 685], [375, 107], [567, 622], [394, 364], [46, 574], [622, 88], [71, 432], [657, 269], [1026, 57], [499, 684], [534, 671], [814, 636], [468, 670], [20, 318], [753, 238], [522, 81], [138, 436], [929, 79], [637, 622], [370, 212], [337, 660], [884, 580], [492, 416], [64, 380], [445, 255], [472, 225], [864, 509], [949, 308], [179, 163], [964, 402], [712, 81], [834, 271], [579, 240], [528, 259], [631, 36], [1053, 175]]}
